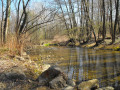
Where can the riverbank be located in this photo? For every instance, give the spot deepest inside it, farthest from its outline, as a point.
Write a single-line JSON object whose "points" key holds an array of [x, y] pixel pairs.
{"points": [[14, 75], [18, 72], [103, 46], [28, 70], [65, 41], [91, 44]]}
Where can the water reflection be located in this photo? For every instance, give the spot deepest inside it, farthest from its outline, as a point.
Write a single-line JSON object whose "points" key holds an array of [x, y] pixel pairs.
{"points": [[84, 64]]}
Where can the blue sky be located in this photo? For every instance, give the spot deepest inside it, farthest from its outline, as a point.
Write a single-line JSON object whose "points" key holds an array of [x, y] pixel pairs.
{"points": [[32, 4]]}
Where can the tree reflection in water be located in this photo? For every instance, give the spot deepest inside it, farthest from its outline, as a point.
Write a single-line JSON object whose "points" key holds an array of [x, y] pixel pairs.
{"points": [[84, 64]]}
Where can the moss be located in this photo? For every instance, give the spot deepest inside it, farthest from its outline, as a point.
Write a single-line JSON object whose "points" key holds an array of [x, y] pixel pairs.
{"points": [[49, 44], [117, 48], [33, 70], [32, 73]]}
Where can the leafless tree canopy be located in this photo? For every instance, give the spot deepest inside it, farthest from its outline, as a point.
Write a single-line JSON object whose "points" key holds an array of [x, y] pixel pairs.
{"points": [[80, 20]]}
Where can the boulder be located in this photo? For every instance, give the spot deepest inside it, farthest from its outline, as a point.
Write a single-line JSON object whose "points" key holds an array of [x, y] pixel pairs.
{"points": [[88, 85], [52, 74], [14, 73], [57, 83], [106, 88]]}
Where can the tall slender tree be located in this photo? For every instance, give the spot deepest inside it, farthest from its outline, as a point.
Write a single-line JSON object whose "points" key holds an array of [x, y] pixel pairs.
{"points": [[6, 21], [104, 28], [116, 21]]}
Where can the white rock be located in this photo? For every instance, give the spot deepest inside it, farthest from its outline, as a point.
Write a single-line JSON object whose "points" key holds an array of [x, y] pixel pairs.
{"points": [[87, 85], [68, 88], [45, 67], [19, 58]]}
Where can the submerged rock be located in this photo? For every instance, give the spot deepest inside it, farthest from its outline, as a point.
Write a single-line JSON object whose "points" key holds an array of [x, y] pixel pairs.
{"points": [[106, 88], [68, 88], [41, 88], [88, 85], [71, 82]]}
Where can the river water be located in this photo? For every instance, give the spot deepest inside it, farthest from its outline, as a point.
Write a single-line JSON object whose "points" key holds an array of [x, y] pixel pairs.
{"points": [[83, 64]]}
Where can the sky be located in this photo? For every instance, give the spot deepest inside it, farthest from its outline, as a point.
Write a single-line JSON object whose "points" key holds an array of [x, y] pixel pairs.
{"points": [[33, 3]]}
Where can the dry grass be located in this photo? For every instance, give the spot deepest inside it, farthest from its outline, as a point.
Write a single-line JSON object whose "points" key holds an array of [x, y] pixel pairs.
{"points": [[58, 39], [14, 46]]}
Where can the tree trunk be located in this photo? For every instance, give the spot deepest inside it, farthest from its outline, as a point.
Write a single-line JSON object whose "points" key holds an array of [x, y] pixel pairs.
{"points": [[104, 28], [91, 26], [111, 21], [68, 14], [116, 20], [6, 22], [119, 24], [71, 7], [2, 23]]}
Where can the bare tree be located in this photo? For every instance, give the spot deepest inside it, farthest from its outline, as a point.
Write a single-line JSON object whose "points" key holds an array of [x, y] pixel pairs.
{"points": [[6, 21], [116, 21], [104, 28], [2, 22], [111, 18], [71, 7]]}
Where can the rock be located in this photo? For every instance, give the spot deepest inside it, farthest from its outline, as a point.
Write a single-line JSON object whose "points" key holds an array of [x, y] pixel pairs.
{"points": [[88, 85], [26, 57], [57, 83], [2, 86], [71, 82], [106, 88], [13, 74], [42, 81], [68, 88], [24, 54], [52, 74], [2, 77], [41, 88], [19, 58], [45, 67]]}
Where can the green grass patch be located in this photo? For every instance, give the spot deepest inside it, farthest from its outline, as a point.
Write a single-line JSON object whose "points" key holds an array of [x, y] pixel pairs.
{"points": [[47, 44]]}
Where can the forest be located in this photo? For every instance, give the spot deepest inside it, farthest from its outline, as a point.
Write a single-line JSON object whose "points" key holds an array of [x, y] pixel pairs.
{"points": [[82, 21], [30, 29]]}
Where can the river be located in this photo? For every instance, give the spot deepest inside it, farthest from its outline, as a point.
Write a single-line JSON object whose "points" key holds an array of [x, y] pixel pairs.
{"points": [[83, 64]]}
